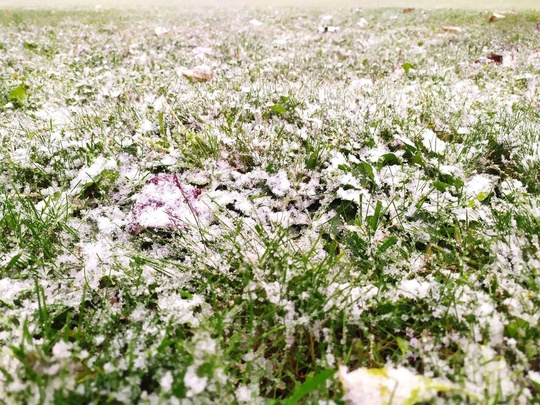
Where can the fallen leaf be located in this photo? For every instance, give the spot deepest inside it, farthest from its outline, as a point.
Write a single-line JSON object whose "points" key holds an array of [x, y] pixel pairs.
{"points": [[496, 17], [408, 10], [495, 57], [398, 386], [201, 73], [450, 28]]}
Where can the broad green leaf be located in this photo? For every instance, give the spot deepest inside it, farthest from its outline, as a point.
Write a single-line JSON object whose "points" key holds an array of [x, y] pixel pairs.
{"points": [[18, 93], [308, 386], [13, 261], [483, 195], [403, 345], [388, 159], [407, 66], [439, 185], [366, 169], [376, 215], [284, 100], [278, 109], [387, 244], [30, 45]]}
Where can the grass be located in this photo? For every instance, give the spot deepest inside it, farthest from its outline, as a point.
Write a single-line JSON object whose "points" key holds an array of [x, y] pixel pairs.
{"points": [[138, 4], [367, 197]]}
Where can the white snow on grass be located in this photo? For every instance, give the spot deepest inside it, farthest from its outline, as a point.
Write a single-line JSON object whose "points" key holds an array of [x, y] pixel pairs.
{"points": [[217, 206], [165, 203]]}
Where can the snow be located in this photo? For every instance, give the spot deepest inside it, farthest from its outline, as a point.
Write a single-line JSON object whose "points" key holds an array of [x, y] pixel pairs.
{"points": [[181, 310], [193, 382], [166, 381], [243, 394], [165, 203], [415, 289], [62, 350], [432, 143], [89, 174], [480, 185], [255, 23], [279, 183]]}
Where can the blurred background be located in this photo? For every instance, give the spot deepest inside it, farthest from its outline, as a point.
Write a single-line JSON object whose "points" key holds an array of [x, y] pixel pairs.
{"points": [[493, 5]]}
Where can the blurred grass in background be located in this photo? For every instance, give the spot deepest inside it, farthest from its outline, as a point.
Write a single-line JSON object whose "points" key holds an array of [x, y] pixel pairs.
{"points": [[462, 4]]}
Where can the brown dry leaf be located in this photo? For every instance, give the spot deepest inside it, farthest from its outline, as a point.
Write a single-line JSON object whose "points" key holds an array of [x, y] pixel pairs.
{"points": [[201, 73], [408, 10], [496, 17], [450, 28], [495, 57]]}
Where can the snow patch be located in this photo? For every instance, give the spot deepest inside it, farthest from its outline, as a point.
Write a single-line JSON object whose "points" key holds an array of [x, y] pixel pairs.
{"points": [[164, 203]]}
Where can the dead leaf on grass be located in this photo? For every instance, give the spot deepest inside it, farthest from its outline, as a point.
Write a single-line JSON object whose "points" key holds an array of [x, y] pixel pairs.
{"points": [[201, 73], [408, 10], [495, 57], [450, 28], [496, 17]]}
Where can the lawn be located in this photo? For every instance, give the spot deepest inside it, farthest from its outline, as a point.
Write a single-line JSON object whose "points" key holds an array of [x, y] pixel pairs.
{"points": [[269, 207], [492, 5]]}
